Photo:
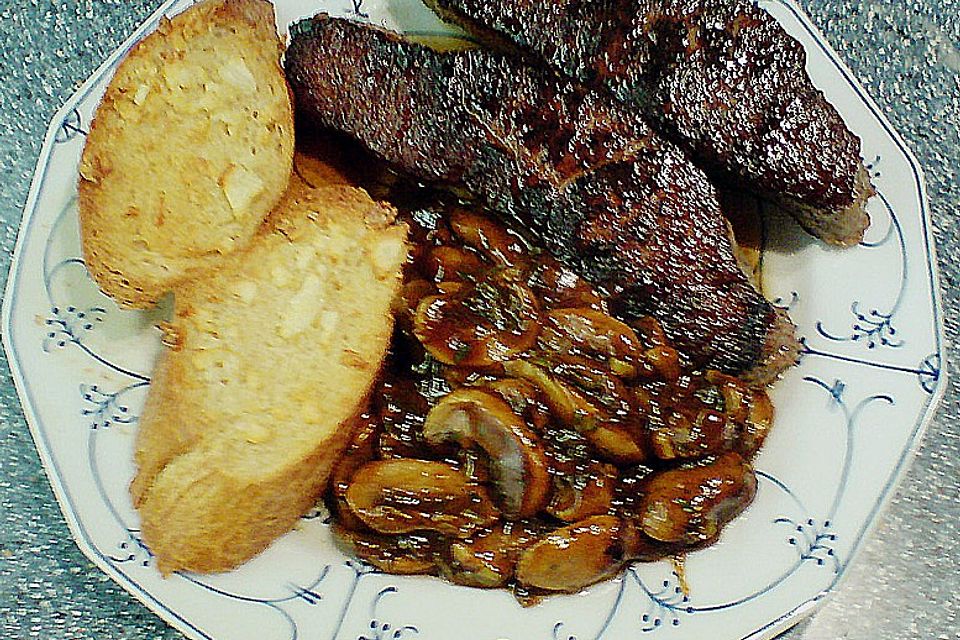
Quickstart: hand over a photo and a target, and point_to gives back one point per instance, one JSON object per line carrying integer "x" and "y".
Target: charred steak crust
{"x": 721, "y": 78}
{"x": 595, "y": 185}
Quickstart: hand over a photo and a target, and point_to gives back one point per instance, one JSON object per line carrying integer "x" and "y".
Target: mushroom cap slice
{"x": 479, "y": 324}
{"x": 404, "y": 554}
{"x": 578, "y": 497}
{"x": 404, "y": 495}
{"x": 488, "y": 559}
{"x": 577, "y": 555}
{"x": 472, "y": 417}
{"x": 689, "y": 505}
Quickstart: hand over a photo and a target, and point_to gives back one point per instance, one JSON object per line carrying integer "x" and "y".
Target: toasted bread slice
{"x": 191, "y": 146}
{"x": 271, "y": 358}
{"x": 310, "y": 171}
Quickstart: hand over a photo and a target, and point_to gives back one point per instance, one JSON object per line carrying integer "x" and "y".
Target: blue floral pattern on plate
{"x": 868, "y": 367}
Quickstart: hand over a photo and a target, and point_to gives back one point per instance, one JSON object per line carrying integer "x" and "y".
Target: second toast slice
{"x": 271, "y": 357}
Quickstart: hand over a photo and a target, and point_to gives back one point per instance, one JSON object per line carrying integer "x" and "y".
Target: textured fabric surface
{"x": 906, "y": 582}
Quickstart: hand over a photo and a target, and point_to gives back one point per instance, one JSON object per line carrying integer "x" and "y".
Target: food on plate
{"x": 520, "y": 436}
{"x": 312, "y": 169}
{"x": 719, "y": 77}
{"x": 615, "y": 202}
{"x": 402, "y": 496}
{"x": 270, "y": 360}
{"x": 189, "y": 149}
{"x": 577, "y": 555}
{"x": 574, "y": 379}
{"x": 689, "y": 504}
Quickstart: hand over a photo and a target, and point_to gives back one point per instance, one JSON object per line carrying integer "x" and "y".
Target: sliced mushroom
{"x": 577, "y": 555}
{"x": 613, "y": 422}
{"x": 523, "y": 398}
{"x": 674, "y": 434}
{"x": 488, "y": 559}
{"x": 411, "y": 553}
{"x": 472, "y": 417}
{"x": 690, "y": 504}
{"x": 559, "y": 287}
{"x": 610, "y": 417}
{"x": 620, "y": 442}
{"x": 583, "y": 495}
{"x": 617, "y": 443}
{"x": 749, "y": 406}
{"x": 486, "y": 236}
{"x": 593, "y": 332}
{"x": 446, "y": 263}
{"x": 563, "y": 403}
{"x": 660, "y": 358}
{"x": 708, "y": 415}
{"x": 598, "y": 384}
{"x": 401, "y": 496}
{"x": 483, "y": 323}
{"x": 361, "y": 450}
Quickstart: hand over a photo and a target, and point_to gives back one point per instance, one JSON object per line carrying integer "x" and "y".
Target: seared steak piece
{"x": 719, "y": 77}
{"x": 602, "y": 192}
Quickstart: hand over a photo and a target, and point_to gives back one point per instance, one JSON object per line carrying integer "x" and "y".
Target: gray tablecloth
{"x": 906, "y": 582}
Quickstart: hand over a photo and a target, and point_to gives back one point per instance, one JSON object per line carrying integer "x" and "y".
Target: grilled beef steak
{"x": 602, "y": 192}
{"x": 719, "y": 77}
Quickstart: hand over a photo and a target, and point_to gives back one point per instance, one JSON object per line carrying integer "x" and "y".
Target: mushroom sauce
{"x": 523, "y": 437}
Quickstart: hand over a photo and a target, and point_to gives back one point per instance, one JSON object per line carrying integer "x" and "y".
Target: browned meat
{"x": 719, "y": 77}
{"x": 601, "y": 191}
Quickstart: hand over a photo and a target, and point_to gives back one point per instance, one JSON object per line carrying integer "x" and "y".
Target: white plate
{"x": 849, "y": 417}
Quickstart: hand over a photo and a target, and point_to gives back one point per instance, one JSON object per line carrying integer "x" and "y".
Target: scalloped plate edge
{"x": 771, "y": 629}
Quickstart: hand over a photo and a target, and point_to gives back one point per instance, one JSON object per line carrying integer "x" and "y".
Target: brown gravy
{"x": 522, "y": 437}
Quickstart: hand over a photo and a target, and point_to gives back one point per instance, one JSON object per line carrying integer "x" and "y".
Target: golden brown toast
{"x": 272, "y": 356}
{"x": 191, "y": 146}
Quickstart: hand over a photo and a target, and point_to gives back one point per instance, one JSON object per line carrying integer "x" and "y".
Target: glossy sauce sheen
{"x": 593, "y": 183}
{"x": 537, "y": 445}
